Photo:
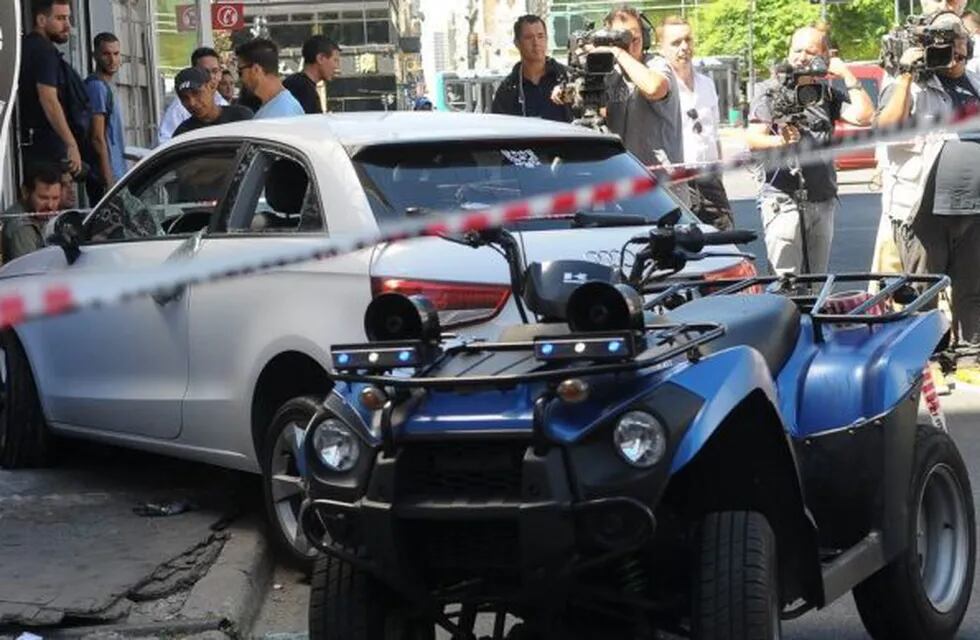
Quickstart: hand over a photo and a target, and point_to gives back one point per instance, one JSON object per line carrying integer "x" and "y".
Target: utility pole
{"x": 205, "y": 35}
{"x": 898, "y": 11}
{"x": 472, "y": 37}
{"x": 750, "y": 90}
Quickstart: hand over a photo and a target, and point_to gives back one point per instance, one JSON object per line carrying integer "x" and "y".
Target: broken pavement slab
{"x": 72, "y": 552}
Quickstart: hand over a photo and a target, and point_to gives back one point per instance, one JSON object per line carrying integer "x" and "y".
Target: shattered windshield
{"x": 418, "y": 179}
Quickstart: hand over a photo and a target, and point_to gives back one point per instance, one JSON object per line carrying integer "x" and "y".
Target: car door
{"x": 239, "y": 325}
{"x": 124, "y": 368}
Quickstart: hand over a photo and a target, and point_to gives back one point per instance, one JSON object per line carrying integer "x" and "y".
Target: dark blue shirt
{"x": 40, "y": 63}
{"x": 537, "y": 99}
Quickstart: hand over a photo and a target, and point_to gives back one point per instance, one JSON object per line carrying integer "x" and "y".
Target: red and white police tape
{"x": 53, "y": 294}
{"x": 23, "y": 299}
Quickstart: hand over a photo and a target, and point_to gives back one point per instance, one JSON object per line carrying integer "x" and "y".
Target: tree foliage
{"x": 722, "y": 27}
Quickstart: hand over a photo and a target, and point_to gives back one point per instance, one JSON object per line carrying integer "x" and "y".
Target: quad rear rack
{"x": 911, "y": 292}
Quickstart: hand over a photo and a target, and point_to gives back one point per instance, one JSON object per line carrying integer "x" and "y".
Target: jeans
{"x": 784, "y": 240}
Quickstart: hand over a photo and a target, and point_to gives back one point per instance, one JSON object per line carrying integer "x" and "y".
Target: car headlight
{"x": 640, "y": 439}
{"x": 336, "y": 445}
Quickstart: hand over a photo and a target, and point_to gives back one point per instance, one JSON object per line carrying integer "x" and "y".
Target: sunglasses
{"x": 693, "y": 115}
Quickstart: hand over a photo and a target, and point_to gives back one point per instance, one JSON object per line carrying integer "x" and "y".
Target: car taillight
{"x": 458, "y": 303}
{"x": 741, "y": 270}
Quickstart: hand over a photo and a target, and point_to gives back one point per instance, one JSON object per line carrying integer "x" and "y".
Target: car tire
{"x": 736, "y": 581}
{"x": 924, "y": 592}
{"x": 349, "y": 604}
{"x": 24, "y": 438}
{"x": 282, "y": 488}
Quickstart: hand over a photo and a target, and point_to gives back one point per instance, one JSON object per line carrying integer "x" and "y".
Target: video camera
{"x": 587, "y": 71}
{"x": 938, "y": 41}
{"x": 790, "y": 98}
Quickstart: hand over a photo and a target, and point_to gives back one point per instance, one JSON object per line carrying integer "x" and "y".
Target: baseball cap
{"x": 190, "y": 79}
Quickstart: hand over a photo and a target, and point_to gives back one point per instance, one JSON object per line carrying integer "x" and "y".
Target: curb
{"x": 223, "y": 603}
{"x": 232, "y": 590}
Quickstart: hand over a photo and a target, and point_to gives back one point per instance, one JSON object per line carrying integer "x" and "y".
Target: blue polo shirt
{"x": 281, "y": 106}
{"x": 103, "y": 102}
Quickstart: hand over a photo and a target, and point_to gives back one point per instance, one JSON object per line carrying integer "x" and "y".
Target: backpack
{"x": 78, "y": 111}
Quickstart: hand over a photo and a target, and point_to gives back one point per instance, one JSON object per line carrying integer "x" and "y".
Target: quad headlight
{"x": 640, "y": 439}
{"x": 336, "y": 445}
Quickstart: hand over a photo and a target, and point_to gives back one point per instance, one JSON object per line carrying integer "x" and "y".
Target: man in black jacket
{"x": 528, "y": 90}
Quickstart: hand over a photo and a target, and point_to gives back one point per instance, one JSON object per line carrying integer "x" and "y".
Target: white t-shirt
{"x": 703, "y": 146}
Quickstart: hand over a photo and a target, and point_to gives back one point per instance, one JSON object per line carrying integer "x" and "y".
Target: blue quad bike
{"x": 641, "y": 457}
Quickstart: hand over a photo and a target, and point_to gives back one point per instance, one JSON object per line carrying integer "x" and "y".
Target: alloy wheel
{"x": 285, "y": 476}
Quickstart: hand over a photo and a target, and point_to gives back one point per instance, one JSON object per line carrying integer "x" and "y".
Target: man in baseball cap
{"x": 195, "y": 89}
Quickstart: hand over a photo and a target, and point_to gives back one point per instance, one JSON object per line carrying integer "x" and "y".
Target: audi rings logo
{"x": 611, "y": 257}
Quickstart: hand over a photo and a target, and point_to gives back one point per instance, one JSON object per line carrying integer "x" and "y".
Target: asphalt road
{"x": 840, "y": 621}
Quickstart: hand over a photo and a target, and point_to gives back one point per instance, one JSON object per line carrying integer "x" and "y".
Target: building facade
{"x": 379, "y": 41}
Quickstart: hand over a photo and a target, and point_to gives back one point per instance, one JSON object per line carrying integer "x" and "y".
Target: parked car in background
{"x": 870, "y": 75}
{"x": 202, "y": 373}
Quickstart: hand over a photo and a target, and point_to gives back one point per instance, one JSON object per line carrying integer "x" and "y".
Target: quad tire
{"x": 24, "y": 438}
{"x": 349, "y": 604}
{"x": 736, "y": 581}
{"x": 282, "y": 489}
{"x": 925, "y": 591}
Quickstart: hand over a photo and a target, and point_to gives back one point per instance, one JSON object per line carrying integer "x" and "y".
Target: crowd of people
{"x": 665, "y": 111}
{"x": 74, "y": 128}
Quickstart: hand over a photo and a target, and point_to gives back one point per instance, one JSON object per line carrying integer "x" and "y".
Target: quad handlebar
{"x": 668, "y": 248}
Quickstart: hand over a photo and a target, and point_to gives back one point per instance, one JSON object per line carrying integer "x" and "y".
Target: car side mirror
{"x": 67, "y": 231}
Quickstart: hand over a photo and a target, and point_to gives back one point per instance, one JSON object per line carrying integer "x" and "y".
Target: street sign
{"x": 228, "y": 16}
{"x": 186, "y": 17}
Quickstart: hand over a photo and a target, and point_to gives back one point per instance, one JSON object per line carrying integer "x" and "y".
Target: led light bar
{"x": 379, "y": 355}
{"x": 590, "y": 346}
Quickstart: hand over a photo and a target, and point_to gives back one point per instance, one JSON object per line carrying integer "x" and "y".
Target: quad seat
{"x": 768, "y": 323}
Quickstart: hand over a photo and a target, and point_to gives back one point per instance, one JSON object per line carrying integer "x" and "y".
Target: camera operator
{"x": 931, "y": 186}
{"x": 529, "y": 88}
{"x": 797, "y": 204}
{"x": 642, "y": 103}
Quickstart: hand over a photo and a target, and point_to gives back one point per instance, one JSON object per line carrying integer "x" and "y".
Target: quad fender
{"x": 724, "y": 380}
{"x": 737, "y": 455}
{"x": 862, "y": 372}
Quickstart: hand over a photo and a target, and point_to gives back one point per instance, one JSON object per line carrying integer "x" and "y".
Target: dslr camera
{"x": 585, "y": 89}
{"x": 919, "y": 31}
{"x": 790, "y": 99}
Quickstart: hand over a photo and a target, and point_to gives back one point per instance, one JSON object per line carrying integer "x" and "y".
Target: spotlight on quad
{"x": 393, "y": 317}
{"x": 603, "y": 307}
{"x": 403, "y": 331}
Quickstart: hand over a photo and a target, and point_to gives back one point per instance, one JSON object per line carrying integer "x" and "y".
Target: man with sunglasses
{"x": 258, "y": 68}
{"x": 699, "y": 105}
{"x": 206, "y": 59}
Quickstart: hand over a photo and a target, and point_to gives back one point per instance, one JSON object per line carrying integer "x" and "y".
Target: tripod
{"x": 801, "y": 197}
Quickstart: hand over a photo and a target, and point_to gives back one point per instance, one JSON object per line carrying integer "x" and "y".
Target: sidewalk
{"x": 76, "y": 559}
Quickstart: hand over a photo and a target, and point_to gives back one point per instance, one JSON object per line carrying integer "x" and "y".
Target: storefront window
{"x": 378, "y": 32}
{"x": 352, "y": 33}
